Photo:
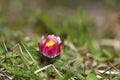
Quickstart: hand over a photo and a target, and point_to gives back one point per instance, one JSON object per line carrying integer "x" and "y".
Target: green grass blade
{"x": 4, "y": 46}
{"x": 30, "y": 55}
{"x": 22, "y": 56}
{"x": 67, "y": 75}
{"x": 48, "y": 23}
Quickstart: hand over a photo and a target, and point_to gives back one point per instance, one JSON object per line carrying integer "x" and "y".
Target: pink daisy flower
{"x": 50, "y": 46}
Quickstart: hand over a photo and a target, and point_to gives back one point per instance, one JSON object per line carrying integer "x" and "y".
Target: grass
{"x": 82, "y": 56}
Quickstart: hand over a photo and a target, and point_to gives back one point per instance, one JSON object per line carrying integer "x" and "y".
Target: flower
{"x": 50, "y": 46}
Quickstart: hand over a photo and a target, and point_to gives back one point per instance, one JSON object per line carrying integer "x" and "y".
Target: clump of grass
{"x": 20, "y": 62}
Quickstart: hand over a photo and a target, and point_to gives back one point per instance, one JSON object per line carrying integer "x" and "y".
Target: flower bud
{"x": 50, "y": 46}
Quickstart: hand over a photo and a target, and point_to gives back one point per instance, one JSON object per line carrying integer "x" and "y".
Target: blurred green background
{"x": 85, "y": 26}
{"x": 44, "y": 16}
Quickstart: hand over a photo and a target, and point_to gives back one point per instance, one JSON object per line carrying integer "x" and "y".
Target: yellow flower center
{"x": 50, "y": 43}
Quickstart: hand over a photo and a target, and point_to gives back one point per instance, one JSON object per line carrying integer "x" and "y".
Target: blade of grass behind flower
{"x": 81, "y": 27}
{"x": 48, "y": 23}
{"x": 68, "y": 29}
